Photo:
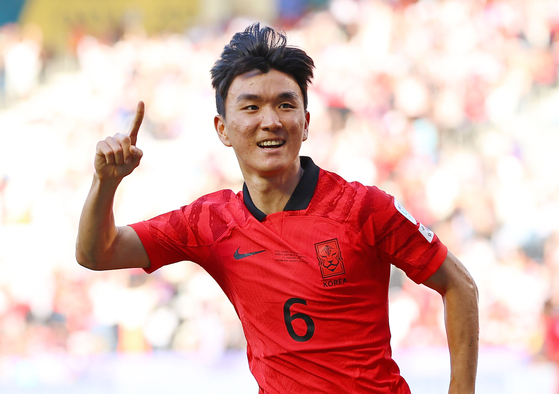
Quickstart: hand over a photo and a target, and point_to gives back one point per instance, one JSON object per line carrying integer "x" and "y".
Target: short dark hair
{"x": 259, "y": 49}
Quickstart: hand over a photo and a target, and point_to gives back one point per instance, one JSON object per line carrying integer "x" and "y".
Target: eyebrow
{"x": 289, "y": 94}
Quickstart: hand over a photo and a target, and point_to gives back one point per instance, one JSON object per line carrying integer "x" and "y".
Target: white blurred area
{"x": 450, "y": 105}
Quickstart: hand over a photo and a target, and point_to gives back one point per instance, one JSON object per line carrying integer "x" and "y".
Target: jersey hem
{"x": 433, "y": 266}
{"x": 149, "y": 245}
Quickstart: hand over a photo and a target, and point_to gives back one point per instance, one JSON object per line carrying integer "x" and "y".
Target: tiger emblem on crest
{"x": 330, "y": 258}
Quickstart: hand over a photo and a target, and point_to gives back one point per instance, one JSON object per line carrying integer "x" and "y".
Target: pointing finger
{"x": 136, "y": 123}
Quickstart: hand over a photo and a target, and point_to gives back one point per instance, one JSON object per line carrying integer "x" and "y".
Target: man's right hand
{"x": 101, "y": 245}
{"x": 117, "y": 156}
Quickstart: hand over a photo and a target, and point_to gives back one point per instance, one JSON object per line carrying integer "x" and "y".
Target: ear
{"x": 220, "y": 127}
{"x": 307, "y": 122}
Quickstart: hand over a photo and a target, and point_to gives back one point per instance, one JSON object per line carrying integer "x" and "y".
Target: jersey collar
{"x": 301, "y": 196}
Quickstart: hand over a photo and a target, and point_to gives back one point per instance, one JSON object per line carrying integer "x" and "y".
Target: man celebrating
{"x": 303, "y": 255}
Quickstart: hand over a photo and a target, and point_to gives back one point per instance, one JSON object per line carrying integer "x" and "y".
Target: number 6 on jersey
{"x": 289, "y": 318}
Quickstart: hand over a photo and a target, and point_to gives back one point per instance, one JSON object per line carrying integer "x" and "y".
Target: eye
{"x": 251, "y": 107}
{"x": 286, "y": 105}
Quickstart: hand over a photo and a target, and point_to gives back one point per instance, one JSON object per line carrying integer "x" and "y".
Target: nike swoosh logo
{"x": 239, "y": 256}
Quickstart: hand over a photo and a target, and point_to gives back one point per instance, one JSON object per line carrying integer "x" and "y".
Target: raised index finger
{"x": 133, "y": 134}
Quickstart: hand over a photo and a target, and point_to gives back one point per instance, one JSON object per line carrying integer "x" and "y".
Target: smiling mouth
{"x": 271, "y": 144}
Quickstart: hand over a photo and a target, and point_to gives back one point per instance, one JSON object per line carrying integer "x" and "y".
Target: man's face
{"x": 265, "y": 122}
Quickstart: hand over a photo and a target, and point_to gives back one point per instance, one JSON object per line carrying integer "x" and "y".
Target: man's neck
{"x": 271, "y": 194}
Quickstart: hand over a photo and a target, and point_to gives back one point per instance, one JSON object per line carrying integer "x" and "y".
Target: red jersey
{"x": 310, "y": 283}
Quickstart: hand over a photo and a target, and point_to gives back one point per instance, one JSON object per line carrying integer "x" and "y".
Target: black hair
{"x": 259, "y": 49}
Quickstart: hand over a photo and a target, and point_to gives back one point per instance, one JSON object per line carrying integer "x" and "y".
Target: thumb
{"x": 136, "y": 152}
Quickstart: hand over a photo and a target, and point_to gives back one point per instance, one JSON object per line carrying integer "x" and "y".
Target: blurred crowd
{"x": 449, "y": 105}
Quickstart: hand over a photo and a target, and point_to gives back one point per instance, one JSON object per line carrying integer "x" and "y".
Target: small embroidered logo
{"x": 238, "y": 256}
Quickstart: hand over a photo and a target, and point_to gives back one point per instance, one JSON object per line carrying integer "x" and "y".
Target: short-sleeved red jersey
{"x": 310, "y": 283}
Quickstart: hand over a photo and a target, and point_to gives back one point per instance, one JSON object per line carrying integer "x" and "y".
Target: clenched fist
{"x": 117, "y": 156}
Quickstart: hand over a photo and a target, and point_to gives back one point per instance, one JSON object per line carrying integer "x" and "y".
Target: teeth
{"x": 271, "y": 143}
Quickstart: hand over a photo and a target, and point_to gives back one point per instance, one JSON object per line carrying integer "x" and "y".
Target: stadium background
{"x": 450, "y": 105}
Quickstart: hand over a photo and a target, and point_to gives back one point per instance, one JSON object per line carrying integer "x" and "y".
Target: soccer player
{"x": 303, "y": 255}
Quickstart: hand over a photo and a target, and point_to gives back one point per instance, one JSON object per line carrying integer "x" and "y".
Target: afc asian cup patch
{"x": 403, "y": 211}
{"x": 330, "y": 258}
{"x": 428, "y": 234}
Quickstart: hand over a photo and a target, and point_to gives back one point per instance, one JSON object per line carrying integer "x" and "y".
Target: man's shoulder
{"x": 210, "y": 215}
{"x": 350, "y": 202}
{"x": 222, "y": 203}
{"x": 335, "y": 184}
{"x": 222, "y": 196}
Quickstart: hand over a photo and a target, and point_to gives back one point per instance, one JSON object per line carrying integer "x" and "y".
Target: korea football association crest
{"x": 330, "y": 258}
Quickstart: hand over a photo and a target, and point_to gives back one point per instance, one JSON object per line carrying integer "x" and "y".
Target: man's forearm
{"x": 97, "y": 230}
{"x": 462, "y": 326}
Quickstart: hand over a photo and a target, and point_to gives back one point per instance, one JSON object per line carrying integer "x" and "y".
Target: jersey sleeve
{"x": 399, "y": 238}
{"x": 167, "y": 239}
{"x": 187, "y": 233}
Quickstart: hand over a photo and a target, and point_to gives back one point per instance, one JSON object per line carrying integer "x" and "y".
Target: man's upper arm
{"x": 129, "y": 252}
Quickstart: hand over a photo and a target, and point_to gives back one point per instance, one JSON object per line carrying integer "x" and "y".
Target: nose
{"x": 270, "y": 119}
